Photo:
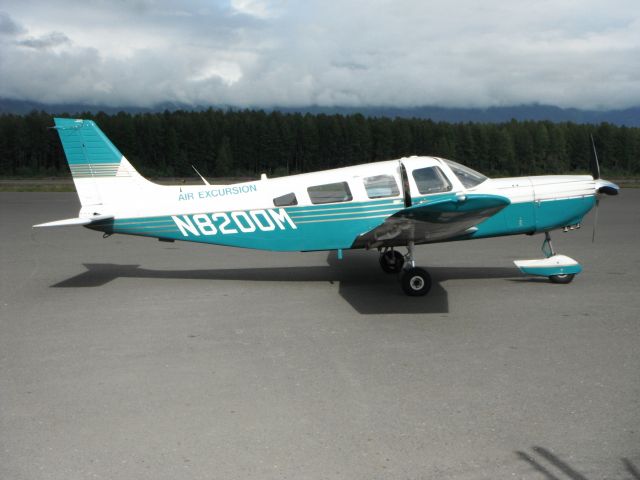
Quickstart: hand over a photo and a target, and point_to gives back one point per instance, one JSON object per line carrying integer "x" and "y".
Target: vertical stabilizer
{"x": 102, "y": 175}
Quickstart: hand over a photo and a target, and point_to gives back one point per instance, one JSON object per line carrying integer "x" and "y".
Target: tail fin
{"x": 101, "y": 174}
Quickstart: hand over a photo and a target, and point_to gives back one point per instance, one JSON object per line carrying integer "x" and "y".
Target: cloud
{"x": 50, "y": 40}
{"x": 255, "y": 8}
{"x": 353, "y": 53}
{"x": 8, "y": 26}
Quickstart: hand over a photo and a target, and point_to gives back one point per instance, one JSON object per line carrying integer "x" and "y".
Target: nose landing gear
{"x": 558, "y": 268}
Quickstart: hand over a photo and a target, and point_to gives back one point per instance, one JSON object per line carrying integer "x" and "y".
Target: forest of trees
{"x": 246, "y": 143}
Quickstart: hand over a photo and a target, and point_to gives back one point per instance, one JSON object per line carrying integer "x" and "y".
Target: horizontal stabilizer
{"x": 69, "y": 222}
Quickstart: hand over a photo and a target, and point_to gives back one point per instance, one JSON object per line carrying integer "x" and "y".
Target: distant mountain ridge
{"x": 629, "y": 117}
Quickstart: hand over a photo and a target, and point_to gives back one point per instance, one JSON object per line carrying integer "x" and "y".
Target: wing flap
{"x": 432, "y": 221}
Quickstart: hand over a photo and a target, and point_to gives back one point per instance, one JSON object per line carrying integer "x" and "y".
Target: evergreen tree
{"x": 251, "y": 141}
{"x": 224, "y": 159}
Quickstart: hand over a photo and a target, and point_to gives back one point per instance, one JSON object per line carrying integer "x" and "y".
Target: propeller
{"x": 595, "y": 173}
{"x": 595, "y": 220}
{"x": 595, "y": 165}
{"x": 601, "y": 186}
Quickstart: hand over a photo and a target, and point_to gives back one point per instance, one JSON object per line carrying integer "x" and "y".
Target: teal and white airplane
{"x": 382, "y": 205}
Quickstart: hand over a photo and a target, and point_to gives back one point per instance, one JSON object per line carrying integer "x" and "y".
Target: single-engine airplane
{"x": 382, "y": 205}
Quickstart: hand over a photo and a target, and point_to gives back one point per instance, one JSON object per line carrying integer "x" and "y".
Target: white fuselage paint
{"x": 129, "y": 195}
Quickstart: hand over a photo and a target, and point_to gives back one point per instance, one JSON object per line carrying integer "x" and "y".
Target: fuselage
{"x": 382, "y": 205}
{"x": 330, "y": 209}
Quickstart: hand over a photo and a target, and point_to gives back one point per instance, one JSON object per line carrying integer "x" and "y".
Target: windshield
{"x": 468, "y": 177}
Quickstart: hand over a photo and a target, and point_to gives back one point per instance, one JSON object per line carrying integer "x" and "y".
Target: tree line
{"x": 249, "y": 142}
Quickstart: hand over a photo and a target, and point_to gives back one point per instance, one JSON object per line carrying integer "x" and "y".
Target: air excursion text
{"x": 217, "y": 192}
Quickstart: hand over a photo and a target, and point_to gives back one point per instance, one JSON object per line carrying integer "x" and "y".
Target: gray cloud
{"x": 8, "y": 26}
{"x": 49, "y": 40}
{"x": 355, "y": 53}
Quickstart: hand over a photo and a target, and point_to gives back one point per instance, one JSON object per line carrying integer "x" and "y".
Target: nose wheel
{"x": 549, "y": 251}
{"x": 558, "y": 268}
{"x": 566, "y": 278}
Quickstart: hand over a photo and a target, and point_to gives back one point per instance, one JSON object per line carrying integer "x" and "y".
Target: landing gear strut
{"x": 415, "y": 281}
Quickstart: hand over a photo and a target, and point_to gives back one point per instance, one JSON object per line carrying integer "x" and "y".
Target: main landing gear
{"x": 415, "y": 281}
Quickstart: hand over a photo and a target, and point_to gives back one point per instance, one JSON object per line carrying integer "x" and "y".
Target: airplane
{"x": 383, "y": 205}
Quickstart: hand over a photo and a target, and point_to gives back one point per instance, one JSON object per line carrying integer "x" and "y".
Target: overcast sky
{"x": 467, "y": 53}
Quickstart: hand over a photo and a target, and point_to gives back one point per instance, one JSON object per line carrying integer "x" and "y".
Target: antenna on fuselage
{"x": 203, "y": 179}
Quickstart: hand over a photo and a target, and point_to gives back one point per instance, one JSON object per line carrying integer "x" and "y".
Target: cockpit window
{"x": 468, "y": 177}
{"x": 431, "y": 180}
{"x": 381, "y": 186}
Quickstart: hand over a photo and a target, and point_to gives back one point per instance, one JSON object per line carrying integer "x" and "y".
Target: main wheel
{"x": 391, "y": 261}
{"x": 566, "y": 278}
{"x": 415, "y": 282}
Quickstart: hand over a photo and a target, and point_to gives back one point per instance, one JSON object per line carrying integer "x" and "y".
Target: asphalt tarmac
{"x": 128, "y": 358}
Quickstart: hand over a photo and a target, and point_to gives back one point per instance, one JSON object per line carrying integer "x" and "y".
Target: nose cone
{"x": 606, "y": 187}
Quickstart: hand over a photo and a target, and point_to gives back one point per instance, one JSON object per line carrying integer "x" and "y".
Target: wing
{"x": 434, "y": 221}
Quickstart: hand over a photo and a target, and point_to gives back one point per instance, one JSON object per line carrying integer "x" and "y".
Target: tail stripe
{"x": 94, "y": 170}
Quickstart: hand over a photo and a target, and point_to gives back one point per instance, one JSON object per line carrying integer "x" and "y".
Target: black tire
{"x": 391, "y": 261}
{"x": 562, "y": 279}
{"x": 416, "y": 282}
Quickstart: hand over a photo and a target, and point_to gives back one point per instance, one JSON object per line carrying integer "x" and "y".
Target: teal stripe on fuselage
{"x": 531, "y": 217}
{"x": 333, "y": 226}
{"x": 327, "y": 235}
{"x": 318, "y": 227}
{"x": 322, "y": 227}
{"x": 559, "y": 213}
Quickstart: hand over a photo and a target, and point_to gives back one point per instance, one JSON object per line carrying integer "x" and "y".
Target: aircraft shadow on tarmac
{"x": 550, "y": 466}
{"x": 361, "y": 283}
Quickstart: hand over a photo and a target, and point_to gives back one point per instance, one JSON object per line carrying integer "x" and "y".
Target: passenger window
{"x": 431, "y": 180}
{"x": 330, "y": 193}
{"x": 285, "y": 200}
{"x": 381, "y": 186}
